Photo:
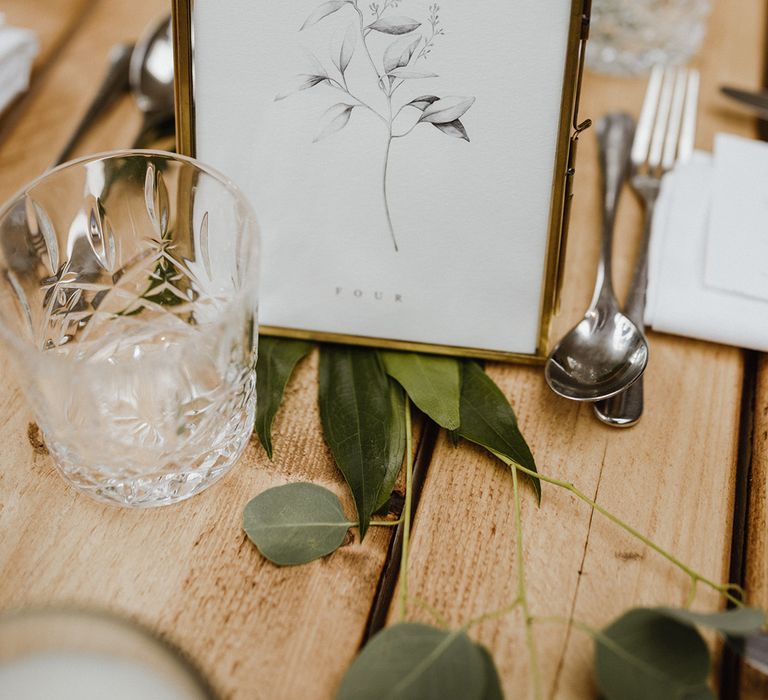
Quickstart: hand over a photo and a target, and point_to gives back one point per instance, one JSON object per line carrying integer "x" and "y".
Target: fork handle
{"x": 625, "y": 409}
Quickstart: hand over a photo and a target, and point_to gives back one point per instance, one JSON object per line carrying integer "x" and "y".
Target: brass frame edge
{"x": 183, "y": 41}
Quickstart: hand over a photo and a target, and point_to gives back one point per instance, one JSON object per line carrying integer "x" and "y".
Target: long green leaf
{"x": 647, "y": 655}
{"x": 295, "y": 523}
{"x": 356, "y": 412}
{"x": 411, "y": 661}
{"x": 278, "y": 358}
{"x": 433, "y": 383}
{"x": 488, "y": 420}
{"x": 396, "y": 443}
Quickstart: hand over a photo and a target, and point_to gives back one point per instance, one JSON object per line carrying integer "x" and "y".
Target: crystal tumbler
{"x": 631, "y": 36}
{"x": 128, "y": 305}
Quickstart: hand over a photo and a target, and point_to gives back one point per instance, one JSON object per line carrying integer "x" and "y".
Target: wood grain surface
{"x": 262, "y": 632}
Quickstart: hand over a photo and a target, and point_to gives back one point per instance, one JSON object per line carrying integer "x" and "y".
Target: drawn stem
{"x": 386, "y": 175}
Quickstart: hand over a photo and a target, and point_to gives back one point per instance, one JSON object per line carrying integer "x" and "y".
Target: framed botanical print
{"x": 409, "y": 160}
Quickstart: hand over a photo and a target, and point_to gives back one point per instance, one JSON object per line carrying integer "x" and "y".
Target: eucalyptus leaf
{"x": 488, "y": 420}
{"x": 302, "y": 82}
{"x": 356, "y": 413}
{"x": 399, "y": 53}
{"x": 395, "y": 25}
{"x": 647, "y": 655}
{"x": 296, "y": 523}
{"x": 432, "y": 382}
{"x": 410, "y": 661}
{"x": 447, "y": 110}
{"x": 278, "y": 358}
{"x": 347, "y": 50}
{"x": 396, "y": 443}
{"x": 410, "y": 74}
{"x": 423, "y": 102}
{"x": 493, "y": 689}
{"x": 739, "y": 622}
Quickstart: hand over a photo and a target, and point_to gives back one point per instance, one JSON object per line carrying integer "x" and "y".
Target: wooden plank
{"x": 671, "y": 476}
{"x": 188, "y": 571}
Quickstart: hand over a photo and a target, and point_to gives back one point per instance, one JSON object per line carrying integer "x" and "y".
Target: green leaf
{"x": 432, "y": 382}
{"x": 396, "y": 443}
{"x": 395, "y": 25}
{"x": 410, "y": 661}
{"x": 355, "y": 410}
{"x": 493, "y": 689}
{"x": 646, "y": 655}
{"x": 488, "y": 420}
{"x": 295, "y": 523}
{"x": 277, "y": 359}
{"x": 738, "y": 622}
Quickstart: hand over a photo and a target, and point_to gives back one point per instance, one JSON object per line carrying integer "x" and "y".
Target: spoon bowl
{"x": 599, "y": 358}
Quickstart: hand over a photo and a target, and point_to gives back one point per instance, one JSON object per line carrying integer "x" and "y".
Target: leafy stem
{"x": 695, "y": 576}
{"x": 403, "y": 600}
{"x": 336, "y": 84}
{"x": 522, "y": 596}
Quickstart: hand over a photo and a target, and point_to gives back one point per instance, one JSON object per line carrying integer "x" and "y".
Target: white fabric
{"x": 18, "y": 48}
{"x": 679, "y": 299}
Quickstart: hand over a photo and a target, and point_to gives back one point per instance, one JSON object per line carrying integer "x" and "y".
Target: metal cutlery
{"x": 665, "y": 136}
{"x": 605, "y": 352}
{"x": 754, "y": 99}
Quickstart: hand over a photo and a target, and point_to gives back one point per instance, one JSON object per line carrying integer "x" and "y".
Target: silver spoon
{"x": 151, "y": 77}
{"x": 114, "y": 84}
{"x": 605, "y": 352}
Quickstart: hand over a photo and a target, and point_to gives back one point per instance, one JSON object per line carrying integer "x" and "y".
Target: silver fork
{"x": 665, "y": 136}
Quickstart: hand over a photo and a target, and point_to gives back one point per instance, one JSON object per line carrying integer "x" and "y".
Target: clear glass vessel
{"x": 629, "y": 37}
{"x": 128, "y": 302}
{"x": 78, "y": 654}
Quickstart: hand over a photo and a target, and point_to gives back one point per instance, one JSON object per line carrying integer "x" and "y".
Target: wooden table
{"x": 693, "y": 475}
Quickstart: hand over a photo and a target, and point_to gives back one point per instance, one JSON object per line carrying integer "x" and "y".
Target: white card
{"x": 737, "y": 247}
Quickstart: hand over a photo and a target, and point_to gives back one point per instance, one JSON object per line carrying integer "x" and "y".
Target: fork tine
{"x": 642, "y": 142}
{"x": 688, "y": 130}
{"x": 662, "y": 118}
{"x": 675, "y": 117}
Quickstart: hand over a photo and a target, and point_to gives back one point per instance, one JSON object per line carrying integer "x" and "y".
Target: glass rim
{"x": 82, "y": 612}
{"x": 223, "y": 179}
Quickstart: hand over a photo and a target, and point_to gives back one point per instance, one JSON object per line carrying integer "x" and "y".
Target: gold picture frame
{"x": 570, "y": 128}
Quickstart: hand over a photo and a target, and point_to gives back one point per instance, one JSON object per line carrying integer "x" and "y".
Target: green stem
{"x": 723, "y": 589}
{"x": 403, "y": 600}
{"x": 495, "y": 614}
{"x": 384, "y": 523}
{"x": 521, "y": 593}
{"x": 442, "y": 621}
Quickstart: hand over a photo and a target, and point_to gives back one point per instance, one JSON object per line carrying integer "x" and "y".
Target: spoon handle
{"x": 114, "y": 83}
{"x": 614, "y": 134}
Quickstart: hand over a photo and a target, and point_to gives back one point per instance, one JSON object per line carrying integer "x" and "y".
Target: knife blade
{"x": 754, "y": 99}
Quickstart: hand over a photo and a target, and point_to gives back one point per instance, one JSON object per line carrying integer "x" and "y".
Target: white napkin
{"x": 679, "y": 299}
{"x": 18, "y": 48}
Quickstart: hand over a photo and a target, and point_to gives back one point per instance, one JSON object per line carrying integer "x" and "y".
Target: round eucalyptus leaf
{"x": 295, "y": 523}
{"x": 493, "y": 689}
{"x": 646, "y": 655}
{"x": 411, "y": 661}
{"x": 738, "y": 622}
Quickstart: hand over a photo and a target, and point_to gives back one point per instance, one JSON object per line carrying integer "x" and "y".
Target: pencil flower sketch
{"x": 398, "y": 63}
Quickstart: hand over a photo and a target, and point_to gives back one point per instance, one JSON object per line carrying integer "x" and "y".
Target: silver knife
{"x": 755, "y": 99}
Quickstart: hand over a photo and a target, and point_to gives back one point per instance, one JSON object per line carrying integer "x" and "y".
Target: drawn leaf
{"x": 412, "y": 660}
{"x": 335, "y": 119}
{"x": 327, "y": 8}
{"x": 454, "y": 128}
{"x": 423, "y": 102}
{"x": 646, "y": 655}
{"x": 348, "y": 45}
{"x": 400, "y": 53}
{"x": 408, "y": 74}
{"x": 278, "y": 358}
{"x": 447, "y": 110}
{"x": 296, "y": 523}
{"x": 302, "y": 82}
{"x": 395, "y": 25}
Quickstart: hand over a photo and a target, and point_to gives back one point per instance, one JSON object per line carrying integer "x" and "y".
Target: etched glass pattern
{"x": 628, "y": 37}
{"x": 128, "y": 287}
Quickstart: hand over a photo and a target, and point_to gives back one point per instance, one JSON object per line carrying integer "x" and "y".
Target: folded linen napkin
{"x": 18, "y": 48}
{"x": 685, "y": 297}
